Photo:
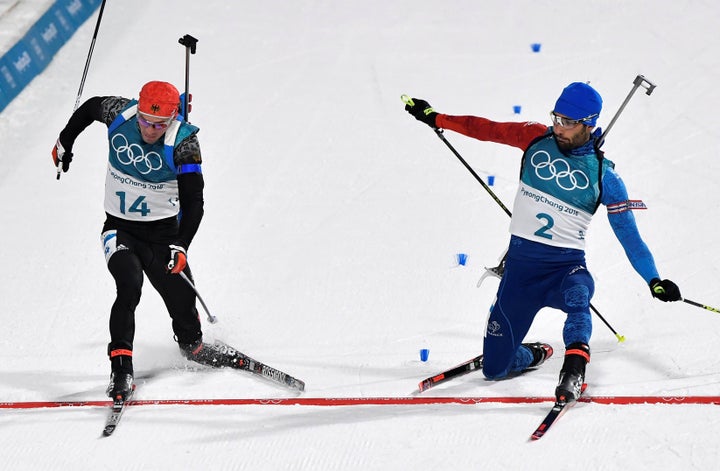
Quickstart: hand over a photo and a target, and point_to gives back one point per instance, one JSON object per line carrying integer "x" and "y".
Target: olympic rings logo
{"x": 559, "y": 169}
{"x": 128, "y": 154}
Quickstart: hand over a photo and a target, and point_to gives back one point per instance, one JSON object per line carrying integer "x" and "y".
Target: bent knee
{"x": 577, "y": 296}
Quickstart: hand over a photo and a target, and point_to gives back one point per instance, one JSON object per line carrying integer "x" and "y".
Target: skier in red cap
{"x": 154, "y": 169}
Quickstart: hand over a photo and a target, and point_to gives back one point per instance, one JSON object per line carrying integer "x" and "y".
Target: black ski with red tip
{"x": 557, "y": 411}
{"x": 240, "y": 361}
{"x": 462, "y": 369}
{"x": 116, "y": 412}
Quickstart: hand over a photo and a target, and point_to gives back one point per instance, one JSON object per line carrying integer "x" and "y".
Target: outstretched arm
{"x": 512, "y": 134}
{"x": 625, "y": 228}
{"x": 622, "y": 221}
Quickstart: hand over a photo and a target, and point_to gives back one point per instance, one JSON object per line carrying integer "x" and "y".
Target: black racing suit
{"x": 143, "y": 247}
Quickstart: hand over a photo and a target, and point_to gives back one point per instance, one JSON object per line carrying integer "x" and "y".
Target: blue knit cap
{"x": 579, "y": 100}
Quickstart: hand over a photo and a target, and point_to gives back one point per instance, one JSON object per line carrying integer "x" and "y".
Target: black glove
{"x": 664, "y": 290}
{"x": 178, "y": 259}
{"x": 422, "y": 111}
{"x": 60, "y": 155}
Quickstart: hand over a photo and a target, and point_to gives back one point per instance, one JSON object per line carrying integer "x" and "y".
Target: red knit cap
{"x": 159, "y": 99}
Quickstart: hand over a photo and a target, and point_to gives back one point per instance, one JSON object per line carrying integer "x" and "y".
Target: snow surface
{"x": 332, "y": 224}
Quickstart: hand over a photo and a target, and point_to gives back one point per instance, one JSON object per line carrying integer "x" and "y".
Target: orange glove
{"x": 178, "y": 259}
{"x": 60, "y": 156}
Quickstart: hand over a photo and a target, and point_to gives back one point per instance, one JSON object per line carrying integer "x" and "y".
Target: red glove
{"x": 60, "y": 156}
{"x": 178, "y": 259}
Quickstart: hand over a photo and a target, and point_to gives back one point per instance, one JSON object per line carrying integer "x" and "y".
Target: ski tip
{"x": 424, "y": 385}
{"x": 108, "y": 430}
{"x": 539, "y": 432}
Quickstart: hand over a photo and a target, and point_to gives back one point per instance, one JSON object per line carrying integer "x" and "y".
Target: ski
{"x": 462, "y": 369}
{"x": 116, "y": 412}
{"x": 261, "y": 369}
{"x": 557, "y": 411}
{"x": 246, "y": 363}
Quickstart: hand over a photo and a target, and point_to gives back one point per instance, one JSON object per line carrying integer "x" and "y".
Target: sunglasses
{"x": 147, "y": 124}
{"x": 564, "y": 122}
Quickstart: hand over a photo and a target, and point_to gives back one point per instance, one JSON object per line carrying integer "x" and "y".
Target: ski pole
{"x": 621, "y": 338}
{"x": 701, "y": 305}
{"x": 500, "y": 268}
{"x": 190, "y": 44}
{"x": 408, "y": 101}
{"x": 212, "y": 319}
{"x": 84, "y": 75}
{"x": 639, "y": 81}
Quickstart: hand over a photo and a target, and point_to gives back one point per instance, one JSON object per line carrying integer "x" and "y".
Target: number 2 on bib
{"x": 549, "y": 223}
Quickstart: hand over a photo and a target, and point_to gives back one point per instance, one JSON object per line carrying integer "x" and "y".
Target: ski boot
{"x": 121, "y": 377}
{"x": 215, "y": 355}
{"x": 120, "y": 387}
{"x": 572, "y": 374}
{"x": 541, "y": 352}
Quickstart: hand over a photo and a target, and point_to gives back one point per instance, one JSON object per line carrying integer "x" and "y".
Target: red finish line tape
{"x": 369, "y": 401}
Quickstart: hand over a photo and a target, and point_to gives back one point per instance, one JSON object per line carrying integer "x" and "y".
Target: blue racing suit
{"x": 557, "y": 196}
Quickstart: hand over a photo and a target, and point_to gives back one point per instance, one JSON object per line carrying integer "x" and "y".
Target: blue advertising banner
{"x": 31, "y": 54}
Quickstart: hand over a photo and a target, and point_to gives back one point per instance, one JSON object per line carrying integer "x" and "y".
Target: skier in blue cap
{"x": 564, "y": 178}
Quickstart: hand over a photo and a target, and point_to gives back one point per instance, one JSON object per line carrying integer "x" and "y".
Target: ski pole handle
{"x": 407, "y": 100}
{"x": 703, "y": 306}
{"x": 212, "y": 319}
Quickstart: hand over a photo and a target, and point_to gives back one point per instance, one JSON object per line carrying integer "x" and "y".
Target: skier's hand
{"x": 178, "y": 259}
{"x": 61, "y": 156}
{"x": 665, "y": 290}
{"x": 422, "y": 111}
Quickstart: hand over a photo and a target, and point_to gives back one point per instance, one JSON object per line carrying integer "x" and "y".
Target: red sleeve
{"x": 512, "y": 134}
